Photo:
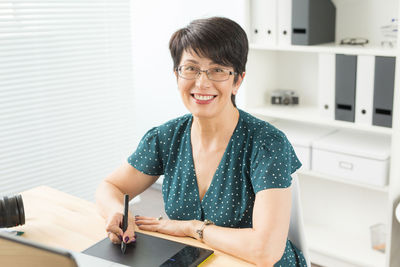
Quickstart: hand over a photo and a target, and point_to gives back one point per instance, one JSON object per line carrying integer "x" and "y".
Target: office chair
{"x": 296, "y": 227}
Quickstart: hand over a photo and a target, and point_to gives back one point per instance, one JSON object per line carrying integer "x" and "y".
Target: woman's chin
{"x": 203, "y": 114}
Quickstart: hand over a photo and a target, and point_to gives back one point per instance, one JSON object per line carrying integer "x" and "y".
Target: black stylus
{"x": 125, "y": 221}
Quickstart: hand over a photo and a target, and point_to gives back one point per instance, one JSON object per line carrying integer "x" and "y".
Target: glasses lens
{"x": 217, "y": 74}
{"x": 188, "y": 71}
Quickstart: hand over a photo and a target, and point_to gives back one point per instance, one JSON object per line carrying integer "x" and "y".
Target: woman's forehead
{"x": 190, "y": 56}
{"x": 193, "y": 57}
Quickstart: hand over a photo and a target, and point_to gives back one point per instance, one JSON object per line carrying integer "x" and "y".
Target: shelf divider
{"x": 383, "y": 189}
{"x": 310, "y": 114}
{"x": 330, "y": 48}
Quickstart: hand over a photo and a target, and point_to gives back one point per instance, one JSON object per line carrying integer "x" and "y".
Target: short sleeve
{"x": 273, "y": 164}
{"x": 147, "y": 157}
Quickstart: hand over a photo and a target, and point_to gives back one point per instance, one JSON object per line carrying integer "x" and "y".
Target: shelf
{"x": 310, "y": 114}
{"x": 344, "y": 246}
{"x": 330, "y": 48}
{"x": 383, "y": 189}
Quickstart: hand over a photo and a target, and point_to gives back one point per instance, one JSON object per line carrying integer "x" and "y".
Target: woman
{"x": 227, "y": 174}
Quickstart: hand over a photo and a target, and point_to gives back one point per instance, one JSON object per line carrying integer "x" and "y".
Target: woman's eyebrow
{"x": 218, "y": 64}
{"x": 192, "y": 61}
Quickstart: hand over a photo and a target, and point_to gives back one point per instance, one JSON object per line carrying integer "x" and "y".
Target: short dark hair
{"x": 220, "y": 39}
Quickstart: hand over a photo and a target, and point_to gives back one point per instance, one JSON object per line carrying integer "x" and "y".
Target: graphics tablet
{"x": 150, "y": 251}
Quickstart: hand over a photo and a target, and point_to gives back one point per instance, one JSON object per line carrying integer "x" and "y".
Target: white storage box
{"x": 301, "y": 136}
{"x": 354, "y": 155}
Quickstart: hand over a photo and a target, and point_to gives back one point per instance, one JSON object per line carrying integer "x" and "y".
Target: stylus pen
{"x": 125, "y": 221}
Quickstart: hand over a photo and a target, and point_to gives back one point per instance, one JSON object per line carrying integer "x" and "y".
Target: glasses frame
{"x": 199, "y": 71}
{"x": 354, "y": 41}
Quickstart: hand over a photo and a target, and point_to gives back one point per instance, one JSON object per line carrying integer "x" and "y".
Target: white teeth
{"x": 203, "y": 97}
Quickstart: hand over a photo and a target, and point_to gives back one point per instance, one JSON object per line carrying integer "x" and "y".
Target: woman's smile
{"x": 203, "y": 98}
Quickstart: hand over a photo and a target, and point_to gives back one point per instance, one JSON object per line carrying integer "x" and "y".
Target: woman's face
{"x": 201, "y": 96}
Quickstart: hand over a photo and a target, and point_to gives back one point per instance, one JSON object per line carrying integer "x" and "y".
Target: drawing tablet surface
{"x": 150, "y": 251}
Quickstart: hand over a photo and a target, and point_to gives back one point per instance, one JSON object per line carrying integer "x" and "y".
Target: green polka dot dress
{"x": 258, "y": 157}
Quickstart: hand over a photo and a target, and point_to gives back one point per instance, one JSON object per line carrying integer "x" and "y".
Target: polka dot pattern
{"x": 258, "y": 157}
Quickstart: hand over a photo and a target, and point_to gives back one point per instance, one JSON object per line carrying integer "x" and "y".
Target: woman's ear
{"x": 238, "y": 83}
{"x": 241, "y": 77}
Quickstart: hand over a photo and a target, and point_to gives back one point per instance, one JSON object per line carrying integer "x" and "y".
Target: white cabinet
{"x": 338, "y": 212}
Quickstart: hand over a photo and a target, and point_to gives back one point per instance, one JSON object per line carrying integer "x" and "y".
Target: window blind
{"x": 65, "y": 93}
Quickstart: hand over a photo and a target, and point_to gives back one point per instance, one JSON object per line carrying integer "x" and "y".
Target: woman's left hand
{"x": 165, "y": 226}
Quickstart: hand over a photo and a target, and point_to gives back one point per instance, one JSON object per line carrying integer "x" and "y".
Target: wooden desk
{"x": 58, "y": 219}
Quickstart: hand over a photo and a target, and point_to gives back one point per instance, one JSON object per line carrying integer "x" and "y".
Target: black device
{"x": 150, "y": 251}
{"x": 284, "y": 97}
{"x": 11, "y": 211}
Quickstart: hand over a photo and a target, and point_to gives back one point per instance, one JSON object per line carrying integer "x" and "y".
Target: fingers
{"x": 152, "y": 228}
{"x": 114, "y": 238}
{"x": 113, "y": 228}
{"x": 147, "y": 220}
{"x": 137, "y": 217}
{"x": 170, "y": 227}
{"x": 129, "y": 235}
{"x": 148, "y": 223}
{"x": 114, "y": 232}
{"x": 116, "y": 235}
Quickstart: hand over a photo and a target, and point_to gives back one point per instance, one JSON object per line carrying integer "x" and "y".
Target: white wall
{"x": 154, "y": 21}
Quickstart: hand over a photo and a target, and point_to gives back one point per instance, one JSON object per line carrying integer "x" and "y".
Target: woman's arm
{"x": 263, "y": 245}
{"x": 109, "y": 198}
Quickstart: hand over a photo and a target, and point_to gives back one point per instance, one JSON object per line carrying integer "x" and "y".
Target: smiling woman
{"x": 227, "y": 174}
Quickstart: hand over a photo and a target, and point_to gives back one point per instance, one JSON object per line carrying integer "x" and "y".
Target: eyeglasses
{"x": 190, "y": 72}
{"x": 354, "y": 41}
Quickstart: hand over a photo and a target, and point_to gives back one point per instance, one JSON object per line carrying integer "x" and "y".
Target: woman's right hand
{"x": 114, "y": 229}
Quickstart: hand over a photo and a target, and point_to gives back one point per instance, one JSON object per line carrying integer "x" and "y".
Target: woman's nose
{"x": 202, "y": 80}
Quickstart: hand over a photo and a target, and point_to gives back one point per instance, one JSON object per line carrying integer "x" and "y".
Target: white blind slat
{"x": 95, "y": 81}
{"x": 62, "y": 82}
{"x": 52, "y": 66}
{"x": 11, "y": 39}
{"x": 56, "y": 75}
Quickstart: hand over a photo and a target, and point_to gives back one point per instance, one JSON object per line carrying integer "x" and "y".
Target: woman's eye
{"x": 190, "y": 68}
{"x": 218, "y": 70}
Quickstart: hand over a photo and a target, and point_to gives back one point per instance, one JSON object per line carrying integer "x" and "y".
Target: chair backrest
{"x": 296, "y": 227}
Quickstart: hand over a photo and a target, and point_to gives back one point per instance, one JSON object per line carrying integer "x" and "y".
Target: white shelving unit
{"x": 329, "y": 48}
{"x": 337, "y": 212}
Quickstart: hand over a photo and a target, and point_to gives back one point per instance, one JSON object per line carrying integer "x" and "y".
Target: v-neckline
{"x": 219, "y": 164}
